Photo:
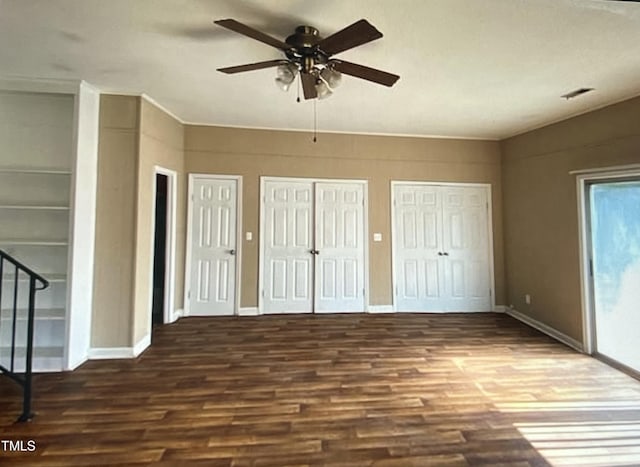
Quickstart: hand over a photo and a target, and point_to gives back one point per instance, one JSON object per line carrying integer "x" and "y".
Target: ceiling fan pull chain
{"x": 299, "y": 85}
{"x": 315, "y": 121}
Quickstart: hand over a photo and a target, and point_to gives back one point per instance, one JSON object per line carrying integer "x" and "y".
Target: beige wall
{"x": 540, "y": 207}
{"x": 378, "y": 159}
{"x": 531, "y": 179}
{"x": 115, "y": 222}
{"x": 135, "y": 136}
{"x": 161, "y": 144}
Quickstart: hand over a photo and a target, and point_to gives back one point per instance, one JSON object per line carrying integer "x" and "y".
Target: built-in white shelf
{"x": 52, "y": 278}
{"x": 41, "y": 364}
{"x": 40, "y": 314}
{"x": 26, "y": 170}
{"x": 23, "y": 242}
{"x": 41, "y": 207}
{"x": 47, "y": 191}
{"x": 38, "y": 352}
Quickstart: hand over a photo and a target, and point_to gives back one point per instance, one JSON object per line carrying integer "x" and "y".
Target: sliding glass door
{"x": 614, "y": 208}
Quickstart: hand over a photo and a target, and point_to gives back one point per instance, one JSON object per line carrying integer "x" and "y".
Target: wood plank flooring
{"x": 340, "y": 390}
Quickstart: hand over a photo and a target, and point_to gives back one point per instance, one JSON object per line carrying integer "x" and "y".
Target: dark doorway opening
{"x": 159, "y": 250}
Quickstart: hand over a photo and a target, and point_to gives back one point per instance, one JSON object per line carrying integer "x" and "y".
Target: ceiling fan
{"x": 310, "y": 56}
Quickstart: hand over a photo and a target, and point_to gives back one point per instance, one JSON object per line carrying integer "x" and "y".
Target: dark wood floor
{"x": 349, "y": 390}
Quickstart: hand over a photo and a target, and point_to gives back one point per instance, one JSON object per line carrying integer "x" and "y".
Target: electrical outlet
{"x": 527, "y": 299}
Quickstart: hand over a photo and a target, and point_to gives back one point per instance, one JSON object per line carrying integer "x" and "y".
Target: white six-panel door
{"x": 441, "y": 248}
{"x": 465, "y": 242}
{"x": 339, "y": 262}
{"x": 213, "y": 247}
{"x": 313, "y": 252}
{"x": 418, "y": 264}
{"x": 287, "y": 236}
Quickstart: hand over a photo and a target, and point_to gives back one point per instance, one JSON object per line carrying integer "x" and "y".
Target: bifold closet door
{"x": 441, "y": 248}
{"x": 313, "y": 247}
{"x": 213, "y": 247}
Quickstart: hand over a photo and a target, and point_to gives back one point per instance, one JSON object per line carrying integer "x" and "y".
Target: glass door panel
{"x": 615, "y": 243}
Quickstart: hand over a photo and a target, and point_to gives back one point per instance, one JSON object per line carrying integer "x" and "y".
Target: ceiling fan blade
{"x": 252, "y": 66}
{"x": 309, "y": 85}
{"x": 240, "y": 28}
{"x": 364, "y": 72}
{"x": 352, "y": 36}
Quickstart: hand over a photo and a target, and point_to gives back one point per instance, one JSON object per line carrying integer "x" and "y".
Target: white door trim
{"x": 583, "y": 180}
{"x": 264, "y": 180}
{"x": 169, "y": 315}
{"x": 487, "y": 187}
{"x": 188, "y": 254}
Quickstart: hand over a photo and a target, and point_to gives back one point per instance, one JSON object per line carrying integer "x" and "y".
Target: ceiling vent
{"x": 576, "y": 93}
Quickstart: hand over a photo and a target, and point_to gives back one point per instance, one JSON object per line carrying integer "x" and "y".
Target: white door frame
{"x": 365, "y": 187}
{"x": 169, "y": 315}
{"x": 487, "y": 187}
{"x": 187, "y": 267}
{"x": 583, "y": 180}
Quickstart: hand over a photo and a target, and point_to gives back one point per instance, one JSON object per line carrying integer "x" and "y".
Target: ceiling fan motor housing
{"x": 304, "y": 50}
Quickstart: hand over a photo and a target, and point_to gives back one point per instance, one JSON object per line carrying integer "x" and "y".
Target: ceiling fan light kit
{"x": 308, "y": 55}
{"x": 286, "y": 74}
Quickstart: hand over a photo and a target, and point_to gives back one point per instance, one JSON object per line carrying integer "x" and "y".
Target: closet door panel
{"x": 418, "y": 269}
{"x": 339, "y": 241}
{"x": 441, "y": 248}
{"x": 466, "y": 244}
{"x": 288, "y": 240}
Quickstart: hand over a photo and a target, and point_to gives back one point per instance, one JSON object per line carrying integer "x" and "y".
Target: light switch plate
{"x": 249, "y": 236}
{"x": 377, "y": 237}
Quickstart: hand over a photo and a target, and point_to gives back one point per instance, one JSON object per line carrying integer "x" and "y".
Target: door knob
{"x": 314, "y": 252}
{"x": 445, "y": 253}
{"x": 232, "y": 252}
{"x": 440, "y": 253}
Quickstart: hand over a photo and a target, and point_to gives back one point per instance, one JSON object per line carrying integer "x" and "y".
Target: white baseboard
{"x": 380, "y": 309}
{"x": 176, "y": 315}
{"x": 548, "y": 330}
{"x": 76, "y": 362}
{"x": 248, "y": 311}
{"x": 105, "y": 353}
{"x": 500, "y": 309}
{"x": 142, "y": 345}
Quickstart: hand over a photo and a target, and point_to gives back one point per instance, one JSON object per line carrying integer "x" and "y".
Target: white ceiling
{"x": 469, "y": 68}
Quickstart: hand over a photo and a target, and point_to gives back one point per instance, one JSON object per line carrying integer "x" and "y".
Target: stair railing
{"x": 14, "y": 271}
